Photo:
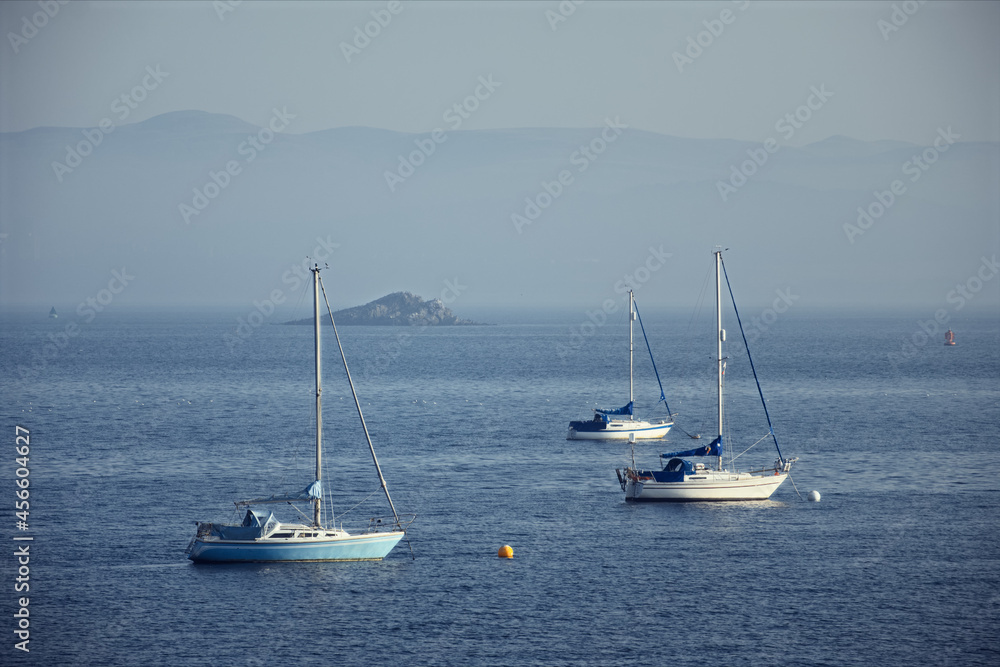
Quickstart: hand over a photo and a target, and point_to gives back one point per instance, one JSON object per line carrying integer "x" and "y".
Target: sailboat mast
{"x": 720, "y": 336}
{"x": 631, "y": 319}
{"x": 317, "y": 502}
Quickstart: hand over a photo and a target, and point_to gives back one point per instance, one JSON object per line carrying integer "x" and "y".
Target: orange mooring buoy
{"x": 505, "y": 552}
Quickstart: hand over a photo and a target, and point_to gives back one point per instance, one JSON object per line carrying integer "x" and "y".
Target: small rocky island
{"x": 397, "y": 309}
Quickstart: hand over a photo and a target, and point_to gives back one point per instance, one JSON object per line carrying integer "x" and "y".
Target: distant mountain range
{"x": 396, "y": 309}
{"x": 206, "y": 208}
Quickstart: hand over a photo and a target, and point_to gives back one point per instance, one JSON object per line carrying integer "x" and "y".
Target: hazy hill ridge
{"x": 206, "y": 208}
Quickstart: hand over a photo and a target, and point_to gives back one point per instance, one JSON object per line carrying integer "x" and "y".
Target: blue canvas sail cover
{"x": 714, "y": 448}
{"x": 311, "y": 492}
{"x": 255, "y": 525}
{"x": 624, "y": 410}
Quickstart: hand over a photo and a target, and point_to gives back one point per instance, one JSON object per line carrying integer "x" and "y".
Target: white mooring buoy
{"x": 813, "y": 496}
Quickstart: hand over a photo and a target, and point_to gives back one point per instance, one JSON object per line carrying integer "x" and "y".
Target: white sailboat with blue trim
{"x": 620, "y": 423}
{"x": 681, "y": 480}
{"x": 260, "y": 537}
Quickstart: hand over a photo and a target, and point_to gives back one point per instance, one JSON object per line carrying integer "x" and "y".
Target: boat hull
{"x": 617, "y": 429}
{"x": 369, "y": 546}
{"x": 739, "y": 487}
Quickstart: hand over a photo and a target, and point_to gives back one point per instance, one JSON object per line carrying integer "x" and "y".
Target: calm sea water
{"x": 145, "y": 422}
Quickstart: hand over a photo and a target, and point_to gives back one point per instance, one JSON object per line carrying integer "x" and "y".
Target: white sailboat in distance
{"x": 620, "y": 423}
{"x": 682, "y": 480}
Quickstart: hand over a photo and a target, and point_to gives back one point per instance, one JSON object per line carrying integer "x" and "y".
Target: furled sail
{"x": 311, "y": 492}
{"x": 624, "y": 410}
{"x": 714, "y": 448}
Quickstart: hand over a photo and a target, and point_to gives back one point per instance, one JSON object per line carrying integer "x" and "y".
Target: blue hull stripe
{"x": 589, "y": 427}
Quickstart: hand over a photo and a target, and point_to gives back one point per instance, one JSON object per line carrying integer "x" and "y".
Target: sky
{"x": 707, "y": 70}
{"x": 874, "y": 71}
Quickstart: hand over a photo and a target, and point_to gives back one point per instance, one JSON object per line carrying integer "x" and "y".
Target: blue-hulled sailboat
{"x": 620, "y": 423}
{"x": 260, "y": 537}
{"x": 682, "y": 480}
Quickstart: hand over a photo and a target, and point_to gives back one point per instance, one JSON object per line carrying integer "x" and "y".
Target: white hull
{"x": 621, "y": 429}
{"x": 705, "y": 487}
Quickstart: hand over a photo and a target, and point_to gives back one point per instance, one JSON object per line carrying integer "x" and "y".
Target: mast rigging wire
{"x": 357, "y": 404}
